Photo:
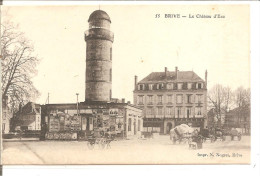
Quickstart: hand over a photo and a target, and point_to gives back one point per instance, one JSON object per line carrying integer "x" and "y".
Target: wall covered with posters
{"x": 64, "y": 121}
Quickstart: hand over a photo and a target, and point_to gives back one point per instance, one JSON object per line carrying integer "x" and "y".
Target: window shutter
{"x": 196, "y": 85}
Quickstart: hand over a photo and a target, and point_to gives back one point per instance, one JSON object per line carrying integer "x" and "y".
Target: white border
{"x": 212, "y": 170}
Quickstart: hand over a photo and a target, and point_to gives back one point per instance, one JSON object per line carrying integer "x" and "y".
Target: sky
{"x": 142, "y": 44}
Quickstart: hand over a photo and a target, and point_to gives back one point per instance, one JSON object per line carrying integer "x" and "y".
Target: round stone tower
{"x": 99, "y": 41}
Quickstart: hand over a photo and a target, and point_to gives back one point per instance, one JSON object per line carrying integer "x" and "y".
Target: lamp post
{"x": 77, "y": 94}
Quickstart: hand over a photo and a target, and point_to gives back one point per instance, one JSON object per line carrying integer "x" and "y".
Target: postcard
{"x": 126, "y": 84}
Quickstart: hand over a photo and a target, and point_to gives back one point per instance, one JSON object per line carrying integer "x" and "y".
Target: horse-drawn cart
{"x": 100, "y": 139}
{"x": 207, "y": 135}
{"x": 181, "y": 134}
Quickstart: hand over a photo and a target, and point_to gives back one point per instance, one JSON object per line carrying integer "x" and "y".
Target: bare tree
{"x": 242, "y": 102}
{"x": 18, "y": 66}
{"x": 220, "y": 99}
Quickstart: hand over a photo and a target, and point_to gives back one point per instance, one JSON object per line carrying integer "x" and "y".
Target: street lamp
{"x": 77, "y": 94}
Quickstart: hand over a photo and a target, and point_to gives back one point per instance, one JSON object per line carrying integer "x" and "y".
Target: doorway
{"x": 168, "y": 127}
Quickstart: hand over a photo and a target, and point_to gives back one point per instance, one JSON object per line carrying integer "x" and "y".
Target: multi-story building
{"x": 239, "y": 118}
{"x": 169, "y": 99}
{"x": 28, "y": 117}
{"x": 6, "y": 116}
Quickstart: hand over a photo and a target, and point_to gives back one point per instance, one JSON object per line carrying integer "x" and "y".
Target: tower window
{"x": 110, "y": 75}
{"x": 110, "y": 53}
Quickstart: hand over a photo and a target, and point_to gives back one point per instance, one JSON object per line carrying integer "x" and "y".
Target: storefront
{"x": 66, "y": 122}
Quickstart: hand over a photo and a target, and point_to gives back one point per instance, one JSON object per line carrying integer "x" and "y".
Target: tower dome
{"x": 99, "y": 14}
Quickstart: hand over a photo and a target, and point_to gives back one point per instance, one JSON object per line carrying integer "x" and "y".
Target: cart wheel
{"x": 91, "y": 145}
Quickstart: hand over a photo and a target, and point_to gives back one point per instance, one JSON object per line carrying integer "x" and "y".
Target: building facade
{"x": 6, "y": 116}
{"x": 121, "y": 119}
{"x": 239, "y": 118}
{"x": 28, "y": 118}
{"x": 169, "y": 99}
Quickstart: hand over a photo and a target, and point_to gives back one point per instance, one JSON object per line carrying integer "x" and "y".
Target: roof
{"x": 30, "y": 108}
{"x": 183, "y": 76}
{"x": 99, "y": 14}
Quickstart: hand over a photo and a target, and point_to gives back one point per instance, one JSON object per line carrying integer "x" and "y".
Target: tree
{"x": 220, "y": 99}
{"x": 18, "y": 66}
{"x": 243, "y": 104}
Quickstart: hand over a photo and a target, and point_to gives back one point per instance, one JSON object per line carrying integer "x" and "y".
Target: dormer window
{"x": 160, "y": 86}
{"x": 199, "y": 85}
{"x": 189, "y": 85}
{"x": 150, "y": 86}
{"x": 141, "y": 87}
{"x": 180, "y": 86}
{"x": 169, "y": 86}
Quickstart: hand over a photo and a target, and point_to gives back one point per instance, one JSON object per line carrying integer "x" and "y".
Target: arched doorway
{"x": 168, "y": 127}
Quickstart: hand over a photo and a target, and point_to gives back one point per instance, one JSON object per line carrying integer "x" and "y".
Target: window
{"x": 140, "y": 99}
{"x": 159, "y": 111}
{"x": 188, "y": 111}
{"x": 150, "y": 86}
{"x": 150, "y": 99}
{"x": 149, "y": 111}
{"x": 180, "y": 86}
{"x": 129, "y": 124}
{"x": 169, "y": 98}
{"x": 169, "y": 110}
{"x": 139, "y": 125}
{"x": 179, "y": 112}
{"x": 160, "y": 86}
{"x": 141, "y": 87}
{"x": 179, "y": 98}
{"x": 159, "y": 97}
{"x": 169, "y": 86}
{"x": 199, "y": 98}
{"x": 199, "y": 85}
{"x": 189, "y": 98}
{"x": 110, "y": 53}
{"x": 189, "y": 85}
{"x": 198, "y": 111}
{"x": 110, "y": 75}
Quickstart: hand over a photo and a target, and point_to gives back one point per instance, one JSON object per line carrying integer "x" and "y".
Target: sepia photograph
{"x": 126, "y": 84}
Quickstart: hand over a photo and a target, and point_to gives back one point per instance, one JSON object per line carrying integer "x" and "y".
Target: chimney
{"x": 206, "y": 78}
{"x": 165, "y": 70}
{"x": 128, "y": 102}
{"x": 176, "y": 72}
{"x": 136, "y": 79}
{"x": 123, "y": 100}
